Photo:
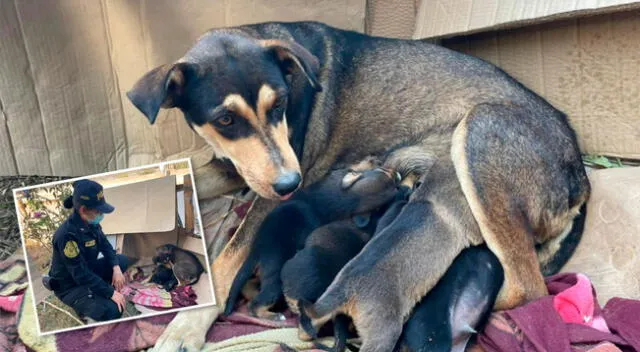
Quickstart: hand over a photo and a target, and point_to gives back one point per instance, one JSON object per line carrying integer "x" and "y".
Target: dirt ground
{"x": 52, "y": 319}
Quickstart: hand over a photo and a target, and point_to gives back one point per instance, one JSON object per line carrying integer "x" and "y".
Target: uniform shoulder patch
{"x": 71, "y": 249}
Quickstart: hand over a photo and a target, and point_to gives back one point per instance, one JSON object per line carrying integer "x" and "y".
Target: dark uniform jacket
{"x": 75, "y": 255}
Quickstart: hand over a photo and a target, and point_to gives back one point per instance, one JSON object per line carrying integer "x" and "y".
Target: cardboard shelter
{"x": 65, "y": 65}
{"x": 581, "y": 55}
{"x": 147, "y": 215}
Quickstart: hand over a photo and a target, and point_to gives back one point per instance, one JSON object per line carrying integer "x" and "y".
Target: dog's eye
{"x": 225, "y": 120}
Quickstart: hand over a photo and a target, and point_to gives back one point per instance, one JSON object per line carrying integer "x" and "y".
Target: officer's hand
{"x": 118, "y": 298}
{"x": 118, "y": 279}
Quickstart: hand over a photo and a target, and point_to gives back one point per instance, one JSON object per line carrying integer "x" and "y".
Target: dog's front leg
{"x": 227, "y": 264}
{"x": 187, "y": 331}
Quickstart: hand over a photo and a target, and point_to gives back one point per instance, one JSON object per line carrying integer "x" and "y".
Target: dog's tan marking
{"x": 252, "y": 156}
{"x": 266, "y": 97}
{"x": 249, "y": 155}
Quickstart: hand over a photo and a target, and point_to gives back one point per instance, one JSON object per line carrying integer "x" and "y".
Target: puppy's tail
{"x": 243, "y": 275}
{"x": 328, "y": 303}
{"x": 552, "y": 263}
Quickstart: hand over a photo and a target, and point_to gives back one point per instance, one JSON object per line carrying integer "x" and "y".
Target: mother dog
{"x": 281, "y": 101}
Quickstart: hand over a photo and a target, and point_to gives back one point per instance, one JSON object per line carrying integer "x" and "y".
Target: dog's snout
{"x": 287, "y": 183}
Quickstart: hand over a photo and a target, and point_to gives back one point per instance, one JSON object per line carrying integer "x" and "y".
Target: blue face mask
{"x": 97, "y": 219}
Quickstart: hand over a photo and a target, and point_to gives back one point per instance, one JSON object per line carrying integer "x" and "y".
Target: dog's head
{"x": 164, "y": 254}
{"x": 233, "y": 91}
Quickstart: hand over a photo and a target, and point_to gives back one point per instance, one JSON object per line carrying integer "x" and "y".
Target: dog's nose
{"x": 287, "y": 183}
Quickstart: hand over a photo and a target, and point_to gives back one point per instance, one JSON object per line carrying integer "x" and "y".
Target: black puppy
{"x": 184, "y": 265}
{"x": 308, "y": 274}
{"x": 343, "y": 193}
{"x": 457, "y": 307}
{"x": 163, "y": 276}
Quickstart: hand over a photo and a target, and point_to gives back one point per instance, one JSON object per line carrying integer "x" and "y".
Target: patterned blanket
{"x": 18, "y": 332}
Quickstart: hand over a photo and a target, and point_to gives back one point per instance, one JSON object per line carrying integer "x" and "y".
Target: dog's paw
{"x": 187, "y": 331}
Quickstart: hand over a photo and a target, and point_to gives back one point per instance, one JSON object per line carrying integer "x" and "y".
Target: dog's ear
{"x": 160, "y": 87}
{"x": 289, "y": 53}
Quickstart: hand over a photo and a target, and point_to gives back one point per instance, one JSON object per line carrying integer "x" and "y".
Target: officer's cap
{"x": 89, "y": 193}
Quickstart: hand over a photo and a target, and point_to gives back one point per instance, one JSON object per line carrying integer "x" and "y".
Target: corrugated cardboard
{"x": 391, "y": 18}
{"x": 64, "y": 66}
{"x": 447, "y": 18}
{"x": 587, "y": 67}
{"x": 609, "y": 252}
{"x": 141, "y": 207}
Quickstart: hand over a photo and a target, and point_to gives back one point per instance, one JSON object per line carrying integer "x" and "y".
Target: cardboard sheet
{"x": 609, "y": 252}
{"x": 446, "y": 18}
{"x": 587, "y": 67}
{"x": 142, "y": 207}
{"x": 65, "y": 65}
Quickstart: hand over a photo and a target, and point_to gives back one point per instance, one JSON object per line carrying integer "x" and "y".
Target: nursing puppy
{"x": 164, "y": 277}
{"x": 343, "y": 193}
{"x": 403, "y": 254}
{"x": 308, "y": 274}
{"x": 457, "y": 307}
{"x": 185, "y": 265}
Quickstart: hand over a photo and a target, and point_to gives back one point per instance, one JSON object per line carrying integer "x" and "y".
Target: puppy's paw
{"x": 187, "y": 331}
{"x": 267, "y": 315}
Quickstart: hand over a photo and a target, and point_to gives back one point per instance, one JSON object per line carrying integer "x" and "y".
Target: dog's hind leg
{"x": 521, "y": 173}
{"x": 379, "y": 327}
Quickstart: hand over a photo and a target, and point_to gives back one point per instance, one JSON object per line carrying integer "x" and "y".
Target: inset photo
{"x": 115, "y": 246}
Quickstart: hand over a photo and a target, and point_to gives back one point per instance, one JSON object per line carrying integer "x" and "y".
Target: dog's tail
{"x": 554, "y": 262}
{"x": 243, "y": 275}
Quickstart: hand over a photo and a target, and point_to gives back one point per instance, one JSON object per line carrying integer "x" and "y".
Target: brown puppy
{"x": 185, "y": 265}
{"x": 347, "y": 95}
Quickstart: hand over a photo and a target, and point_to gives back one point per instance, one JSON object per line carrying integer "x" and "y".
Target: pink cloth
{"x": 576, "y": 305}
{"x": 149, "y": 296}
{"x": 183, "y": 296}
{"x": 558, "y": 324}
{"x": 11, "y": 303}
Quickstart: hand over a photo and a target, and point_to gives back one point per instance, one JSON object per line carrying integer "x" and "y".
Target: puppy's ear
{"x": 361, "y": 220}
{"x": 160, "y": 87}
{"x": 349, "y": 179}
{"x": 291, "y": 53}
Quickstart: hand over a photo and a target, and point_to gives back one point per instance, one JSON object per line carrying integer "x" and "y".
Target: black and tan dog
{"x": 513, "y": 159}
{"x": 344, "y": 193}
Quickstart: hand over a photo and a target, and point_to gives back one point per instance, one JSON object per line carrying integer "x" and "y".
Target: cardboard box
{"x": 580, "y": 55}
{"x": 65, "y": 65}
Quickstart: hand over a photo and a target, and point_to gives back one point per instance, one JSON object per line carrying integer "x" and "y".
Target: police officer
{"x": 77, "y": 276}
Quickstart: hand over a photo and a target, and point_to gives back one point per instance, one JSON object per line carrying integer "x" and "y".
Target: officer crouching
{"x": 78, "y": 278}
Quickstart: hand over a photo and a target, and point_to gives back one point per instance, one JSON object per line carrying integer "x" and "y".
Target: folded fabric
{"x": 147, "y": 295}
{"x": 11, "y": 303}
{"x": 13, "y": 276}
{"x": 573, "y": 322}
{"x": 577, "y": 304}
{"x": 183, "y": 296}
